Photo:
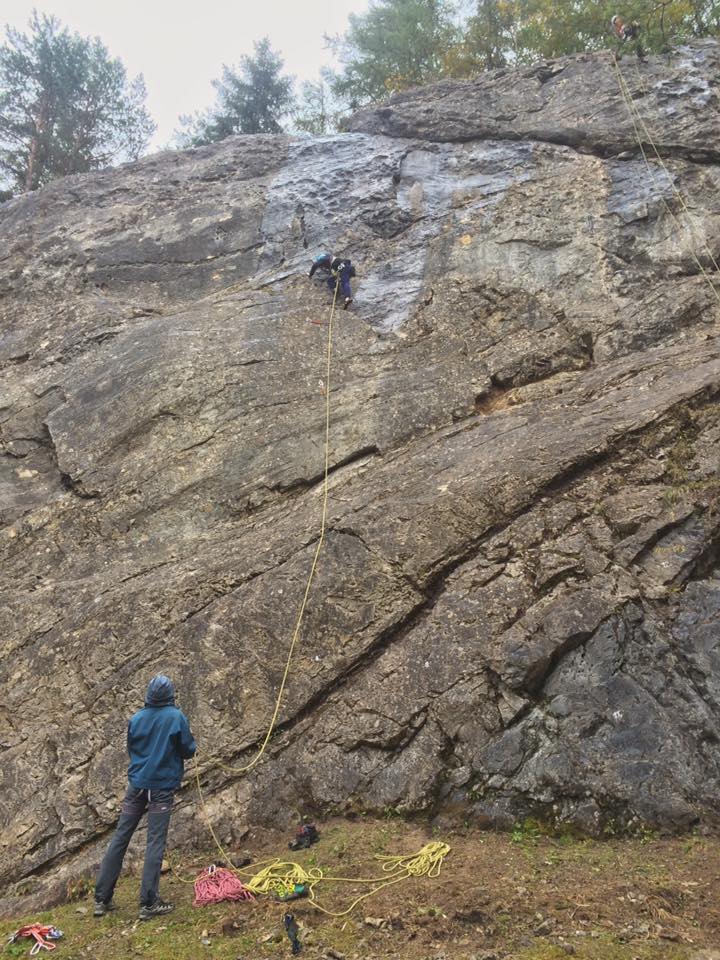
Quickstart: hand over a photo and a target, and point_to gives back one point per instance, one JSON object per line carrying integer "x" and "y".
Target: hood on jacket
{"x": 160, "y": 691}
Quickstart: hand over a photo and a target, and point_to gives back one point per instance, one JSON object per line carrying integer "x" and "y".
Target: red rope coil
{"x": 217, "y": 884}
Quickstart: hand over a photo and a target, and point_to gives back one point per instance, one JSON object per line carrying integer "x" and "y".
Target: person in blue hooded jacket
{"x": 158, "y": 741}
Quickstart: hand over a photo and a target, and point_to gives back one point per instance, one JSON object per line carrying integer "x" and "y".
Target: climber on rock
{"x": 158, "y": 740}
{"x": 340, "y": 270}
{"x": 628, "y": 31}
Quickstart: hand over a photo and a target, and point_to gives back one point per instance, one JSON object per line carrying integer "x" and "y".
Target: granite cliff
{"x": 518, "y": 602}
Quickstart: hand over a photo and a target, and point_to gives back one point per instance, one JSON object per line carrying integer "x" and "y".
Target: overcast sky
{"x": 180, "y": 46}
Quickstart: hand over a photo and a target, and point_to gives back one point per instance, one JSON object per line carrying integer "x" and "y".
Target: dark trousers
{"x": 344, "y": 283}
{"x": 158, "y": 804}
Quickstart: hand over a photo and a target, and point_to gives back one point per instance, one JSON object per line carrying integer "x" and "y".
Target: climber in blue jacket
{"x": 158, "y": 741}
{"x": 340, "y": 272}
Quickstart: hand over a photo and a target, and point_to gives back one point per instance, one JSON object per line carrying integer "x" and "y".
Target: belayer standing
{"x": 158, "y": 741}
{"x": 628, "y": 31}
{"x": 340, "y": 272}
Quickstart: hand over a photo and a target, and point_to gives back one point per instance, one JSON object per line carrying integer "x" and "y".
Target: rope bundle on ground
{"x": 426, "y": 863}
{"x": 281, "y": 877}
{"x": 217, "y": 884}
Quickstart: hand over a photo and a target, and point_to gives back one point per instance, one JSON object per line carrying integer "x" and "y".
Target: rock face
{"x": 517, "y": 605}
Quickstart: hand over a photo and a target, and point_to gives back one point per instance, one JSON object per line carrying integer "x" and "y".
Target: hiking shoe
{"x": 348, "y": 301}
{"x": 158, "y": 909}
{"x": 101, "y": 908}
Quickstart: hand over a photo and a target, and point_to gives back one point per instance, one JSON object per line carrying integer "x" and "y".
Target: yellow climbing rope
{"x": 280, "y": 876}
{"x": 219, "y": 764}
{"x": 676, "y": 191}
{"x": 640, "y": 127}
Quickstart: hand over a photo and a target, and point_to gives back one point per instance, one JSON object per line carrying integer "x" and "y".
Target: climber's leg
{"x": 133, "y": 808}
{"x": 159, "y": 812}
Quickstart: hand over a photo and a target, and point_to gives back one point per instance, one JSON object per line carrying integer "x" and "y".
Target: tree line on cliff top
{"x": 67, "y": 106}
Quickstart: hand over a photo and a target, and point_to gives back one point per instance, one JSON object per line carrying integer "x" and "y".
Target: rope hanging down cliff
{"x": 640, "y": 127}
{"x": 219, "y": 764}
{"x": 279, "y": 876}
{"x": 215, "y": 763}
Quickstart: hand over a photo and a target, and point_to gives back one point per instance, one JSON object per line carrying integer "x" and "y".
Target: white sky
{"x": 180, "y": 46}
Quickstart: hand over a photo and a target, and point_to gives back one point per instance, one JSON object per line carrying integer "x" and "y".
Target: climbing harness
{"x": 640, "y": 127}
{"x": 42, "y": 935}
{"x": 217, "y": 884}
{"x": 297, "y": 893}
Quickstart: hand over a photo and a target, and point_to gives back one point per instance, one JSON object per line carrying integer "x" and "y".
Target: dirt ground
{"x": 521, "y": 895}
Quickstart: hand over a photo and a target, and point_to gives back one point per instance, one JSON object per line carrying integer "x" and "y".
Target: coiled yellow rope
{"x": 282, "y": 876}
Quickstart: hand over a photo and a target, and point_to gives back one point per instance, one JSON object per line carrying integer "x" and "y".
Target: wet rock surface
{"x": 517, "y": 605}
{"x": 570, "y": 101}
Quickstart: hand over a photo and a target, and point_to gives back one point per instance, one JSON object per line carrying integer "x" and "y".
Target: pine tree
{"x": 397, "y": 44}
{"x": 66, "y": 106}
{"x": 317, "y": 110}
{"x": 486, "y": 40}
{"x": 252, "y": 99}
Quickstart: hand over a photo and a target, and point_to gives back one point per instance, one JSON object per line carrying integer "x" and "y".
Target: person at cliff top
{"x": 340, "y": 272}
{"x": 158, "y": 741}
{"x": 627, "y": 31}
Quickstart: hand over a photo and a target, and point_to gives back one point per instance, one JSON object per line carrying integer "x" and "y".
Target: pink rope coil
{"x": 217, "y": 884}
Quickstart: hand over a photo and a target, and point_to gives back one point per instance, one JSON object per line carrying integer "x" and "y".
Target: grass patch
{"x": 520, "y": 895}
